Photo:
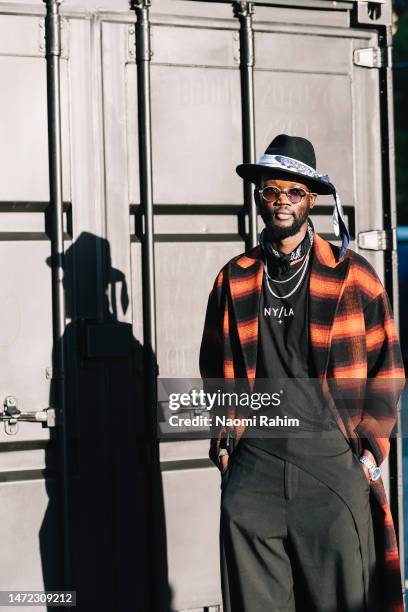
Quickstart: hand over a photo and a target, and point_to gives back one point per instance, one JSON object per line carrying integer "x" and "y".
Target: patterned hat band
{"x": 294, "y": 165}
{"x": 289, "y": 163}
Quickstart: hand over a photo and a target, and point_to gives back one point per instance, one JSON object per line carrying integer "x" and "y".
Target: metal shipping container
{"x": 150, "y": 108}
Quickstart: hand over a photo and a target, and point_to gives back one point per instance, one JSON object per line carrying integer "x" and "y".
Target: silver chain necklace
{"x": 275, "y": 280}
{"x": 282, "y": 297}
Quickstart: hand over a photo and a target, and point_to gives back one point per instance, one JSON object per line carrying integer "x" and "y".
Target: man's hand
{"x": 370, "y": 456}
{"x": 223, "y": 463}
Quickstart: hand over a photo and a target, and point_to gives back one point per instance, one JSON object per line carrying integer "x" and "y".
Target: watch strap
{"x": 374, "y": 470}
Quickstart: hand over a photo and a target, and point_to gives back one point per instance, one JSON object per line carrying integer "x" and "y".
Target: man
{"x": 305, "y": 523}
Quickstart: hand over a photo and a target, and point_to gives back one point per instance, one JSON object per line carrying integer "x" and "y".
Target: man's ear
{"x": 313, "y": 199}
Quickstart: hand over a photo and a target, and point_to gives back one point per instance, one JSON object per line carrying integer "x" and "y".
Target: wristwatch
{"x": 375, "y": 471}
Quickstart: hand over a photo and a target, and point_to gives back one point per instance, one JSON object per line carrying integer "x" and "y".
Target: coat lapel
{"x": 327, "y": 281}
{"x": 245, "y": 286}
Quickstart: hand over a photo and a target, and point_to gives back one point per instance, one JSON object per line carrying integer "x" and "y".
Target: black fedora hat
{"x": 293, "y": 158}
{"x": 289, "y": 158}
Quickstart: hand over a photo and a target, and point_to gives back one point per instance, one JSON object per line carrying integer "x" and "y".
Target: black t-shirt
{"x": 284, "y": 353}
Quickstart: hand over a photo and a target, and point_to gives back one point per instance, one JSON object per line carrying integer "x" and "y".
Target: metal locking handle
{"x": 11, "y": 415}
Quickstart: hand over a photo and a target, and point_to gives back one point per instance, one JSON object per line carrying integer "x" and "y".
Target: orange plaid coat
{"x": 353, "y": 338}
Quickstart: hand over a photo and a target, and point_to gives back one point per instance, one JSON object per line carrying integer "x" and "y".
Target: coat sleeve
{"x": 385, "y": 378}
{"x": 211, "y": 360}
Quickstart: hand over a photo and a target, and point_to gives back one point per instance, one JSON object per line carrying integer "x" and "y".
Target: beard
{"x": 276, "y": 233}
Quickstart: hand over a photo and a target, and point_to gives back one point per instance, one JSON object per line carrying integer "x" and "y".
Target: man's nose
{"x": 279, "y": 199}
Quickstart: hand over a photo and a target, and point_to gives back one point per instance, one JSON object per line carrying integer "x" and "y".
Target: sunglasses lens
{"x": 295, "y": 195}
{"x": 270, "y": 194}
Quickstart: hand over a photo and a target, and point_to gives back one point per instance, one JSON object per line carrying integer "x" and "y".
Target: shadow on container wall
{"x": 118, "y": 532}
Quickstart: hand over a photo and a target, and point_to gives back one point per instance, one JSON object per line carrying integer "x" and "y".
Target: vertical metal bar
{"x": 143, "y": 57}
{"x": 391, "y": 268}
{"x": 53, "y": 53}
{"x": 244, "y": 12}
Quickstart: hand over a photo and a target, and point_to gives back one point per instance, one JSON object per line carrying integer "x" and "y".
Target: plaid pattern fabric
{"x": 354, "y": 345}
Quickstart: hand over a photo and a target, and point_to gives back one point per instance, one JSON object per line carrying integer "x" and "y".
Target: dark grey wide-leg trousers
{"x": 289, "y": 542}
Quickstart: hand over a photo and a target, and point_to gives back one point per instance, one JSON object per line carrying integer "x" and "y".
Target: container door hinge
{"x": 378, "y": 240}
{"x": 64, "y": 37}
{"x": 372, "y": 57}
{"x": 131, "y": 44}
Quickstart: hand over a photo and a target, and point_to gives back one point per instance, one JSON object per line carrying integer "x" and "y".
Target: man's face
{"x": 282, "y": 218}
